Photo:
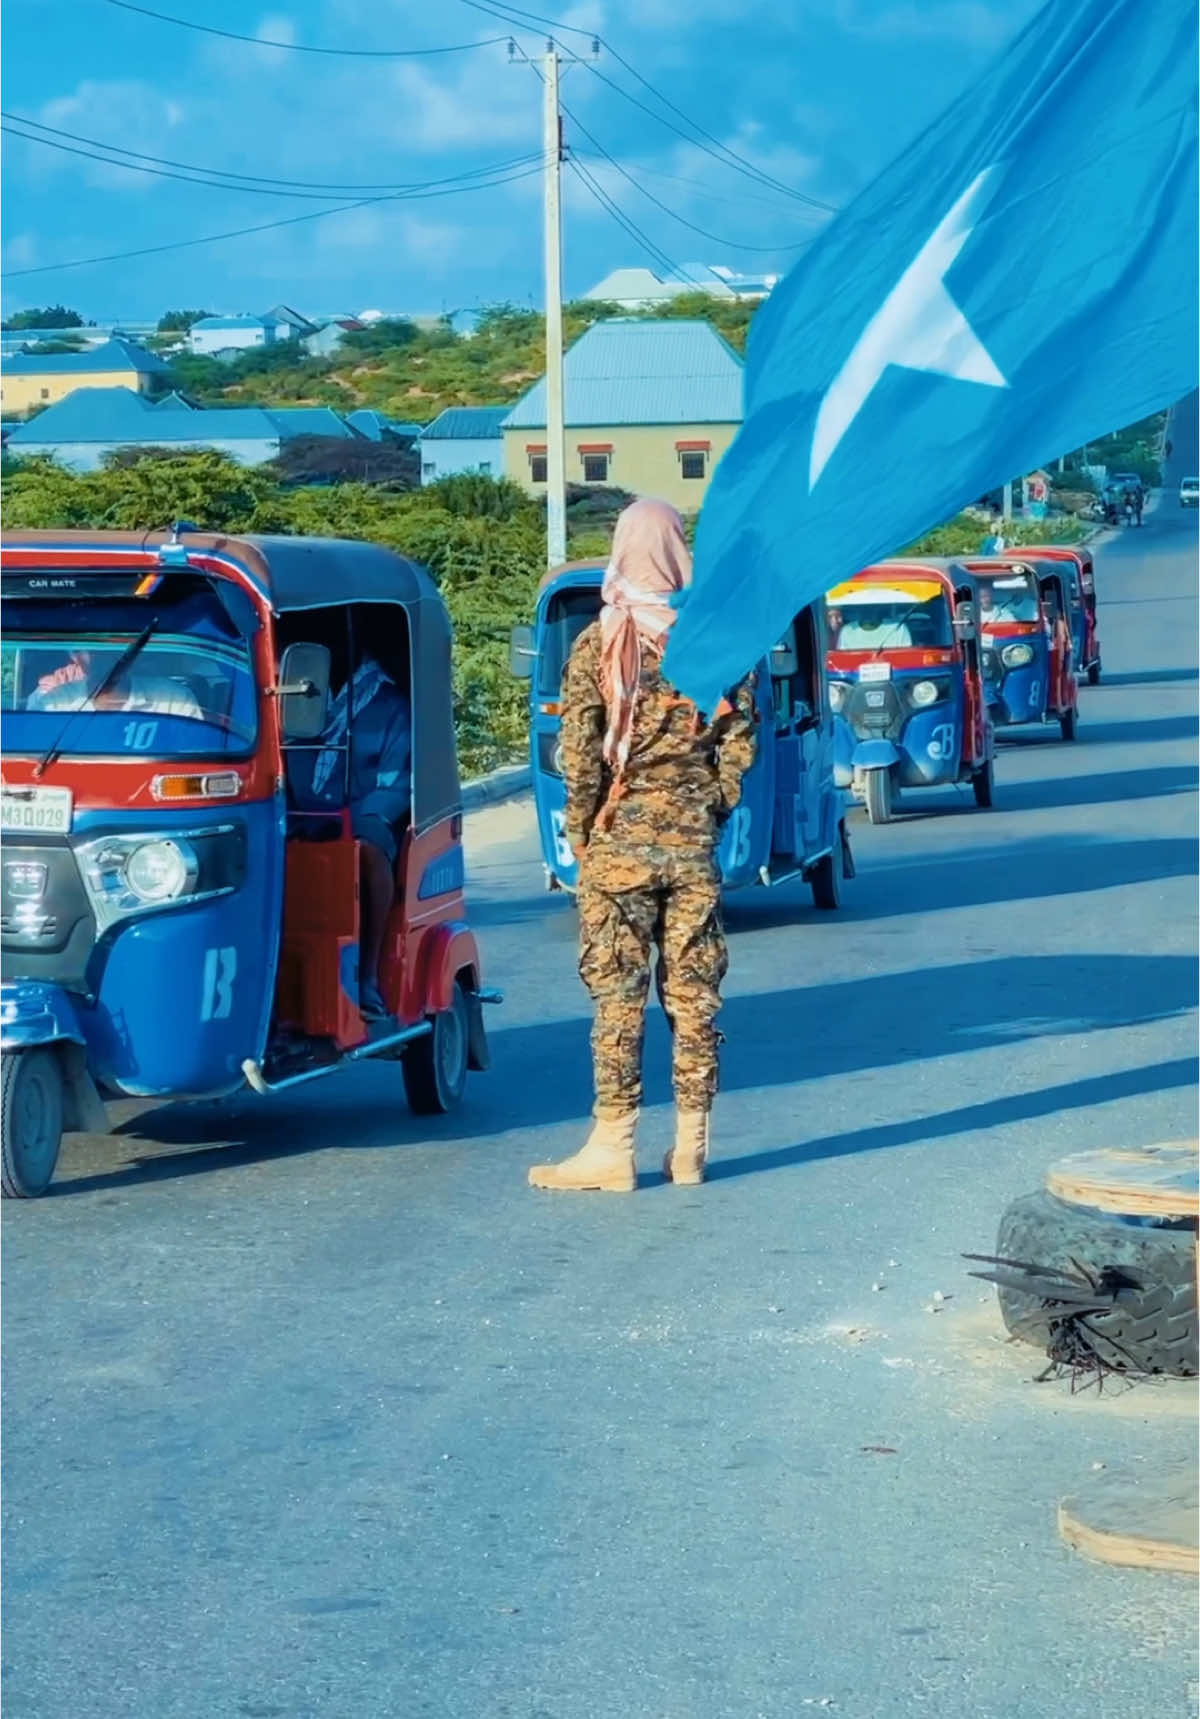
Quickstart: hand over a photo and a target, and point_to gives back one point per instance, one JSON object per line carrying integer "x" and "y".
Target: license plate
{"x": 38, "y": 811}
{"x": 875, "y": 671}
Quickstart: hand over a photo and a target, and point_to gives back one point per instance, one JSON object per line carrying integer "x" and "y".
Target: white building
{"x": 463, "y": 439}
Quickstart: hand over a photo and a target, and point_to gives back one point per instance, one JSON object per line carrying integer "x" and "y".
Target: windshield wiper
{"x": 118, "y": 667}
{"x": 895, "y": 626}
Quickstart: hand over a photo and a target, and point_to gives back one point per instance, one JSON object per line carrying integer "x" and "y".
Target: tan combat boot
{"x": 684, "y": 1163}
{"x": 604, "y": 1165}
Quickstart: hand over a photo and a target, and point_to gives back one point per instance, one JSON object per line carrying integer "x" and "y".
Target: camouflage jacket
{"x": 682, "y": 779}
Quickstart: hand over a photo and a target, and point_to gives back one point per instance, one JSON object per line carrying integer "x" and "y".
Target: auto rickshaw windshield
{"x": 1008, "y": 596}
{"x": 912, "y": 614}
{"x": 567, "y": 614}
{"x": 187, "y": 692}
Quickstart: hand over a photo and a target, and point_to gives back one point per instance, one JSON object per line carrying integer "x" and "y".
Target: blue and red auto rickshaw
{"x": 175, "y": 924}
{"x": 906, "y": 683}
{"x": 791, "y": 818}
{"x": 1079, "y": 567}
{"x": 1025, "y": 630}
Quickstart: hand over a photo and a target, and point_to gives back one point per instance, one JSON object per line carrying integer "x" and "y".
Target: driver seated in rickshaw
{"x": 872, "y": 630}
{"x": 138, "y": 688}
{"x": 378, "y": 795}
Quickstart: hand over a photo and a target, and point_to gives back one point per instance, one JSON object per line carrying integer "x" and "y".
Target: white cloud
{"x": 91, "y": 110}
{"x": 21, "y": 251}
{"x": 275, "y": 27}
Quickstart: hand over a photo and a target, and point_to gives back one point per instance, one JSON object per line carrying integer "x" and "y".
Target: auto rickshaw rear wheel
{"x": 828, "y": 874}
{"x": 31, "y": 1083}
{"x": 1093, "y": 674}
{"x": 1068, "y": 722}
{"x": 435, "y": 1066}
{"x": 877, "y": 791}
{"x": 983, "y": 783}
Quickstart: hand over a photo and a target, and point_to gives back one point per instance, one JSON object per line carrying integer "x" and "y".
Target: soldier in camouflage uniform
{"x": 649, "y": 783}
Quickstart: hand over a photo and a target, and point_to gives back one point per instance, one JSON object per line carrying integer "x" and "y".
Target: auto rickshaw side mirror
{"x": 303, "y": 691}
{"x": 785, "y": 656}
{"x": 964, "y": 621}
{"x": 521, "y": 653}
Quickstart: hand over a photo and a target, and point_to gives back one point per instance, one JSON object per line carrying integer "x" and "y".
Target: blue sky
{"x": 818, "y": 94}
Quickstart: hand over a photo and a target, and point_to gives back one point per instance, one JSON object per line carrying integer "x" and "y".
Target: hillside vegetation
{"x": 410, "y": 373}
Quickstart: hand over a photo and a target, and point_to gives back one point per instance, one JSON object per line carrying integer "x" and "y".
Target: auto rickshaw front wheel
{"x": 1068, "y": 722}
{"x": 32, "y": 1090}
{"x": 984, "y": 784}
{"x": 435, "y": 1066}
{"x": 1093, "y": 674}
{"x": 877, "y": 791}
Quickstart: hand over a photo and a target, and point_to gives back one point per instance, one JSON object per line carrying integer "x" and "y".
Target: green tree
{"x": 179, "y": 321}
{"x": 49, "y": 316}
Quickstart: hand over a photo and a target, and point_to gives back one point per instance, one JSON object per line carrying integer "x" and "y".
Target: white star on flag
{"x": 918, "y": 326}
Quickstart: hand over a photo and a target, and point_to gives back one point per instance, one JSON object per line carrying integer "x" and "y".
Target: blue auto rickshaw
{"x": 1078, "y": 567}
{"x": 791, "y": 818}
{"x": 178, "y": 921}
{"x": 906, "y": 683}
{"x": 1025, "y": 633}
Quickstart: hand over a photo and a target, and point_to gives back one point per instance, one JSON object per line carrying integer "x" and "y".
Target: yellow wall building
{"x": 650, "y": 407}
{"x": 29, "y": 380}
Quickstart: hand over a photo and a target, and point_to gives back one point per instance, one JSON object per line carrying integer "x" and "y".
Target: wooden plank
{"x": 1145, "y": 1518}
{"x": 1138, "y": 1181}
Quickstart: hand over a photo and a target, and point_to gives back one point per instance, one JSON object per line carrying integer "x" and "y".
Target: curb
{"x": 504, "y": 784}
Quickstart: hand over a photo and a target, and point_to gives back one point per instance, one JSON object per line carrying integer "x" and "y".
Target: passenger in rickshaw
{"x": 1002, "y": 604}
{"x": 362, "y": 762}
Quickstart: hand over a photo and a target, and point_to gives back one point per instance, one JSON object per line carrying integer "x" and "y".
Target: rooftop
{"x": 114, "y": 355}
{"x": 466, "y": 424}
{"x": 118, "y": 415}
{"x": 643, "y": 371}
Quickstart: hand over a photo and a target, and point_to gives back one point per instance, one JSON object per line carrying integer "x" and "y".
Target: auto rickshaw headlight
{"x": 1016, "y": 656}
{"x": 127, "y": 875}
{"x": 837, "y": 694}
{"x": 924, "y": 692}
{"x": 161, "y": 870}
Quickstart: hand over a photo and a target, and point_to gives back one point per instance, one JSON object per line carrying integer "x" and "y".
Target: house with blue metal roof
{"x": 215, "y": 336}
{"x": 34, "y": 379}
{"x": 79, "y": 431}
{"x": 463, "y": 439}
{"x": 650, "y": 406}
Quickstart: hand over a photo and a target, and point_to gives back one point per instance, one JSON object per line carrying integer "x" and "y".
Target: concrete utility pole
{"x": 556, "y": 470}
{"x": 1007, "y": 509}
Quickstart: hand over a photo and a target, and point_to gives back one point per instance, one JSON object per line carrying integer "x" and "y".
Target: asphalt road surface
{"x": 313, "y": 1411}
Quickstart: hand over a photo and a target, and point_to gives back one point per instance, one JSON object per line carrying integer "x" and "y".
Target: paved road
{"x": 340, "y": 1420}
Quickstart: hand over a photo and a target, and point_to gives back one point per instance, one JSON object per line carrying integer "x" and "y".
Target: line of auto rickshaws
{"x": 897, "y": 681}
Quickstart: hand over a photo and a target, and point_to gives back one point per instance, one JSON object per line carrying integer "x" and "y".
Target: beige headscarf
{"x": 650, "y": 562}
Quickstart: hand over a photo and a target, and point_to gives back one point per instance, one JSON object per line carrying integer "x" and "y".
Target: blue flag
{"x": 1023, "y": 279}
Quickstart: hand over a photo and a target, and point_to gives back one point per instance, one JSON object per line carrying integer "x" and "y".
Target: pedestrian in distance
{"x": 650, "y": 782}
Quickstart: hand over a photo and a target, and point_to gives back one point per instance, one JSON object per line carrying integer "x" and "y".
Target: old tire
{"x": 435, "y": 1067}
{"x": 1069, "y": 723}
{"x": 31, "y": 1084}
{"x": 1093, "y": 674}
{"x": 983, "y": 783}
{"x": 877, "y": 792}
{"x": 828, "y": 876}
{"x": 1151, "y": 1326}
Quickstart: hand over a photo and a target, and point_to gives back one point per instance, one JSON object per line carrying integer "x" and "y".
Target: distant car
{"x": 1126, "y": 480}
{"x": 1189, "y": 492}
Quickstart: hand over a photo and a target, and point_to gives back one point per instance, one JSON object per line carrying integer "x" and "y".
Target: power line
{"x": 204, "y": 176}
{"x": 303, "y": 48}
{"x": 269, "y": 226}
{"x": 720, "y": 151}
{"x": 730, "y": 244}
{"x": 618, "y": 214}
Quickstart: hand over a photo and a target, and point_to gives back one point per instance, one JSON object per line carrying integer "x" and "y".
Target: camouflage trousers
{"x": 631, "y": 901}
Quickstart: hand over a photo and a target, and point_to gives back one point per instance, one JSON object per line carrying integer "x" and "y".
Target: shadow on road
{"x": 541, "y": 1073}
{"x": 988, "y": 1115}
{"x": 1106, "y": 789}
{"x": 1152, "y": 677}
{"x": 1138, "y": 733}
